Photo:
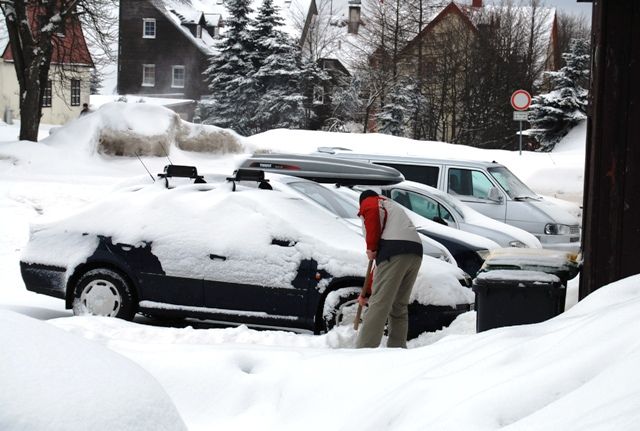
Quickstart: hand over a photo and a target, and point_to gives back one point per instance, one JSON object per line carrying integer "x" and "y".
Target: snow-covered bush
{"x": 143, "y": 129}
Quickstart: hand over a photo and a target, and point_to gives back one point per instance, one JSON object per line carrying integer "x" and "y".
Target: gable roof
{"x": 183, "y": 13}
{"x": 438, "y": 16}
{"x": 69, "y": 49}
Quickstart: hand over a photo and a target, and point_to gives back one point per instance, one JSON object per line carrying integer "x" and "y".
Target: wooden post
{"x": 611, "y": 224}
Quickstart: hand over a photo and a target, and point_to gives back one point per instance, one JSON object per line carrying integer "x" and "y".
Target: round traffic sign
{"x": 520, "y": 100}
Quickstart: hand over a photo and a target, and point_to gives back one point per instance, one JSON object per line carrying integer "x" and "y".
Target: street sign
{"x": 520, "y": 100}
{"x": 520, "y": 115}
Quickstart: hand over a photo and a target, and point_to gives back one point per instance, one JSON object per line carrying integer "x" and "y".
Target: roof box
{"x": 324, "y": 169}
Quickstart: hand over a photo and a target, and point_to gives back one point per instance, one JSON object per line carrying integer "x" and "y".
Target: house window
{"x": 75, "y": 92}
{"x": 318, "y": 95}
{"x": 178, "y": 77}
{"x": 46, "y": 95}
{"x": 199, "y": 31}
{"x": 149, "y": 28}
{"x": 148, "y": 75}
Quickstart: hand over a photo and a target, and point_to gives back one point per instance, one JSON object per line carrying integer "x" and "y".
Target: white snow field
{"x": 578, "y": 371}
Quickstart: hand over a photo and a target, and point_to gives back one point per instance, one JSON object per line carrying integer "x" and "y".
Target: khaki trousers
{"x": 392, "y": 283}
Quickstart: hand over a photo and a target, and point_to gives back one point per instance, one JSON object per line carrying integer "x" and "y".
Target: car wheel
{"x": 104, "y": 292}
{"x": 340, "y": 307}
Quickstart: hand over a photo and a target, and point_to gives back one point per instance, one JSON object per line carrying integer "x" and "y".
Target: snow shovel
{"x": 363, "y": 292}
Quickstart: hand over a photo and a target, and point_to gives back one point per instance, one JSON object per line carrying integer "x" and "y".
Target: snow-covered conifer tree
{"x": 230, "y": 75}
{"x": 553, "y": 114}
{"x": 399, "y": 107}
{"x": 278, "y": 74}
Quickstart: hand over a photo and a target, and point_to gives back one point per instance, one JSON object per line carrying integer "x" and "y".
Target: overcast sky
{"x": 571, "y": 6}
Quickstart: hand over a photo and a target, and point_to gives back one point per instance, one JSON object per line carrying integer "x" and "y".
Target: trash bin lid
{"x": 516, "y": 278}
{"x": 565, "y": 265}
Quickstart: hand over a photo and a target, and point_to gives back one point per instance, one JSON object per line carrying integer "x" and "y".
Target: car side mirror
{"x": 495, "y": 195}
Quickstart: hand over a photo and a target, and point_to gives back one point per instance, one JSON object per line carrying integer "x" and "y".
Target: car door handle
{"x": 217, "y": 256}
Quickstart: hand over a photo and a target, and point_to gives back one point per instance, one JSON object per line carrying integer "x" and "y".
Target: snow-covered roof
{"x": 190, "y": 12}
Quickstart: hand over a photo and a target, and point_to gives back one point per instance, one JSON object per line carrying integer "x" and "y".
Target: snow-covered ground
{"x": 578, "y": 371}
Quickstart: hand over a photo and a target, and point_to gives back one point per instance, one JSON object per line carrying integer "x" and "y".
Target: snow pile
{"x": 578, "y": 371}
{"x": 57, "y": 381}
{"x": 130, "y": 129}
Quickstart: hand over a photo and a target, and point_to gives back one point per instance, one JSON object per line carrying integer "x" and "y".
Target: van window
{"x": 467, "y": 182}
{"x": 419, "y": 173}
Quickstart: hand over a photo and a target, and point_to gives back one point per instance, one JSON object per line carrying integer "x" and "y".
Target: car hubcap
{"x": 100, "y": 298}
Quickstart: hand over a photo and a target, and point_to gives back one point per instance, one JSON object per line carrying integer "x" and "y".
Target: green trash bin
{"x": 516, "y": 297}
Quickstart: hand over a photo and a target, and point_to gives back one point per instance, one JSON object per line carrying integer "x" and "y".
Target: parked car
{"x": 223, "y": 252}
{"x": 489, "y": 188}
{"x": 343, "y": 207}
{"x": 446, "y": 209}
{"x": 467, "y": 249}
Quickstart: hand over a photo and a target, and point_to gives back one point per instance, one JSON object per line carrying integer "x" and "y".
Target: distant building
{"x": 344, "y": 36}
{"x": 69, "y": 76}
{"x": 165, "y": 46}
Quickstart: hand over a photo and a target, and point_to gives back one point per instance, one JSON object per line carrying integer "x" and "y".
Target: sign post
{"x": 520, "y": 101}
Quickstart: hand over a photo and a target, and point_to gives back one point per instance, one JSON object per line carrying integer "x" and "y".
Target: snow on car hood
{"x": 187, "y": 224}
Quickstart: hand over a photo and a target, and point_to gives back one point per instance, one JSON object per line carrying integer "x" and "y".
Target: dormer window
{"x": 199, "y": 31}
{"x": 149, "y": 28}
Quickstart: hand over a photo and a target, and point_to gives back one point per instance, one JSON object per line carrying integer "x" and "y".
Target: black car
{"x": 221, "y": 252}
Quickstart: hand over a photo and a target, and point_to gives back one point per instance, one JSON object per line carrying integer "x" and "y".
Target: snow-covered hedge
{"x": 130, "y": 129}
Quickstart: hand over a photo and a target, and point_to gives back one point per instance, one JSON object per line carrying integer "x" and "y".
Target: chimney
{"x": 476, "y": 3}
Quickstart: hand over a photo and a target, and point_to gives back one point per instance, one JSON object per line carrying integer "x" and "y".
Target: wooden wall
{"x": 611, "y": 225}
{"x": 170, "y": 47}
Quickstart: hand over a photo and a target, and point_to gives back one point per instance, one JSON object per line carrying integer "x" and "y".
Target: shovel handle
{"x": 363, "y": 292}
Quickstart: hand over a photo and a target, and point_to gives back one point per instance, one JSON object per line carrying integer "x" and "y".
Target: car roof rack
{"x": 256, "y": 175}
{"x": 181, "y": 171}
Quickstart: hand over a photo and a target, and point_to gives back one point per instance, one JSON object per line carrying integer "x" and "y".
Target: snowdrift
{"x": 54, "y": 380}
{"x": 139, "y": 129}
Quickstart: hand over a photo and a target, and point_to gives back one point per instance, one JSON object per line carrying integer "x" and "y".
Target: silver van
{"x": 489, "y": 188}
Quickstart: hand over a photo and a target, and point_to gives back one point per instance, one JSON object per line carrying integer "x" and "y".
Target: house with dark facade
{"x": 164, "y": 46}
{"x": 163, "y": 50}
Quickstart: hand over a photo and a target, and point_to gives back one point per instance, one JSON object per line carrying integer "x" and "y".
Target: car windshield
{"x": 335, "y": 203}
{"x": 511, "y": 184}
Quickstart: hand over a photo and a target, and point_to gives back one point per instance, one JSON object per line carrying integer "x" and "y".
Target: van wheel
{"x": 340, "y": 307}
{"x": 104, "y": 292}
